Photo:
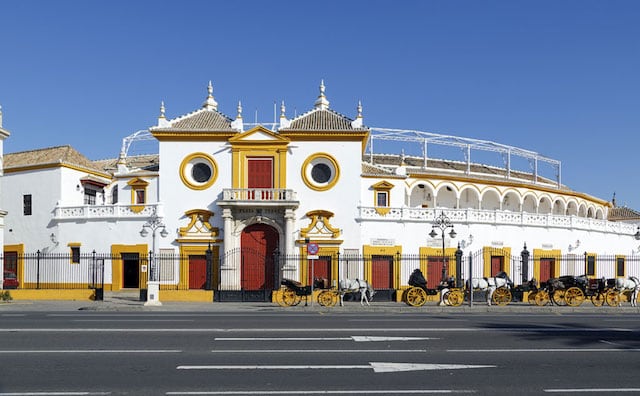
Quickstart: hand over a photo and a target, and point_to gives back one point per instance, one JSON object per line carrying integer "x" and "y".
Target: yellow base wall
{"x": 186, "y": 295}
{"x": 52, "y": 294}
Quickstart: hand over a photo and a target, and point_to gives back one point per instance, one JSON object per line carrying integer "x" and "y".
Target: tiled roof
{"x": 199, "y": 120}
{"x": 60, "y": 155}
{"x": 321, "y": 120}
{"x": 623, "y": 213}
{"x": 373, "y": 170}
{"x": 150, "y": 162}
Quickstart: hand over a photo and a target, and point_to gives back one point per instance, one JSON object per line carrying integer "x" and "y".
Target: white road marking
{"x": 52, "y": 393}
{"x": 502, "y": 350}
{"x": 316, "y": 351}
{"x": 378, "y": 367}
{"x": 595, "y": 390}
{"x": 329, "y": 392}
{"x": 352, "y": 338}
{"x": 91, "y": 351}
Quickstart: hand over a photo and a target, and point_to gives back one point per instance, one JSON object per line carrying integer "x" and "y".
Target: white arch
{"x": 490, "y": 199}
{"x": 511, "y": 201}
{"x": 469, "y": 197}
{"x": 446, "y": 196}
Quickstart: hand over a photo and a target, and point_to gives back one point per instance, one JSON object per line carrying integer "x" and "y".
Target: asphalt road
{"x": 287, "y": 352}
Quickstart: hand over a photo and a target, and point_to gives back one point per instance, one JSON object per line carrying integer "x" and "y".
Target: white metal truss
{"x": 424, "y": 139}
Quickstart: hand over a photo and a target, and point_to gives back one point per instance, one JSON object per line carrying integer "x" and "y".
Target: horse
{"x": 356, "y": 285}
{"x": 489, "y": 285}
{"x": 631, "y": 284}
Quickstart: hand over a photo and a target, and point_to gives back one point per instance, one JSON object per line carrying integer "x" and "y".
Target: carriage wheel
{"x": 574, "y": 296}
{"x": 557, "y": 297}
{"x": 531, "y": 298}
{"x": 612, "y": 297}
{"x": 501, "y": 296}
{"x": 598, "y": 299}
{"x": 455, "y": 297}
{"x": 290, "y": 298}
{"x": 285, "y": 297}
{"x": 327, "y": 298}
{"x": 542, "y": 298}
{"x": 415, "y": 296}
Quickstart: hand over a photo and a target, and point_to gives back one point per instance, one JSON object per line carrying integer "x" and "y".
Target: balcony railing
{"x": 496, "y": 217}
{"x": 258, "y": 194}
{"x": 104, "y": 211}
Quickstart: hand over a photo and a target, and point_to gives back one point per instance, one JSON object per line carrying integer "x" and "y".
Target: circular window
{"x": 201, "y": 172}
{"x": 198, "y": 171}
{"x": 320, "y": 172}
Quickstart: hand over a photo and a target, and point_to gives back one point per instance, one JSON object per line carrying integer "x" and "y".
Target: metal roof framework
{"x": 468, "y": 145}
{"x": 424, "y": 139}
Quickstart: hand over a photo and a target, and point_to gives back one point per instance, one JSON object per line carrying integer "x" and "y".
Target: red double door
{"x": 258, "y": 244}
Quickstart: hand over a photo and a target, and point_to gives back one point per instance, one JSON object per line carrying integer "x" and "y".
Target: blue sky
{"x": 561, "y": 78}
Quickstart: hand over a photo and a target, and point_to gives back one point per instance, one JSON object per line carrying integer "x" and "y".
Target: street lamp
{"x": 153, "y": 282}
{"x": 637, "y": 234}
{"x": 442, "y": 222}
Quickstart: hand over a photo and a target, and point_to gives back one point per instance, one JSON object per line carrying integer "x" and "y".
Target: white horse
{"x": 631, "y": 284}
{"x": 489, "y": 285}
{"x": 356, "y": 285}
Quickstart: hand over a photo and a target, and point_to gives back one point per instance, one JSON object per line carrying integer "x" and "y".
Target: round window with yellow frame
{"x": 320, "y": 171}
{"x": 198, "y": 171}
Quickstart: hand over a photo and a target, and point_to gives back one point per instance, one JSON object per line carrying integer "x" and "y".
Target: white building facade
{"x": 240, "y": 203}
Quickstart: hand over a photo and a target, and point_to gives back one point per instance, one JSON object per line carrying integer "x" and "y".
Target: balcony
{"x": 496, "y": 217}
{"x": 258, "y": 197}
{"x": 116, "y": 211}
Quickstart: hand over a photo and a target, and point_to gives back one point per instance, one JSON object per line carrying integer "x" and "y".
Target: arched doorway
{"x": 258, "y": 243}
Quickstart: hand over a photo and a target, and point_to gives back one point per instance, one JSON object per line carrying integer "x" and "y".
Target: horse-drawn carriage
{"x": 574, "y": 290}
{"x": 497, "y": 290}
{"x": 416, "y": 295}
{"x": 292, "y": 292}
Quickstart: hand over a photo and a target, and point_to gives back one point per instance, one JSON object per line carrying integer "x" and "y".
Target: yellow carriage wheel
{"x": 501, "y": 296}
{"x": 574, "y": 296}
{"x": 415, "y": 296}
{"x": 542, "y": 298}
{"x": 531, "y": 298}
{"x": 558, "y": 297}
{"x": 327, "y": 298}
{"x": 612, "y": 297}
{"x": 455, "y": 297}
{"x": 290, "y": 298}
{"x": 598, "y": 299}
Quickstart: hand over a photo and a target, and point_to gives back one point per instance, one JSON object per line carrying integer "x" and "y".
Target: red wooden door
{"x": 497, "y": 264}
{"x": 197, "y": 272}
{"x": 321, "y": 268}
{"x": 434, "y": 272}
{"x": 258, "y": 242}
{"x": 382, "y": 272}
{"x": 547, "y": 269}
{"x": 260, "y": 175}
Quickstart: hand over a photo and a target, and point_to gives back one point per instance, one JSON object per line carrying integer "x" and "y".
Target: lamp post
{"x": 637, "y": 234}
{"x": 153, "y": 282}
{"x": 443, "y": 223}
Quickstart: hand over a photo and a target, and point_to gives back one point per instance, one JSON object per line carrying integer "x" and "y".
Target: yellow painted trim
{"x": 116, "y": 263}
{"x": 74, "y": 244}
{"x": 316, "y": 216}
{"x": 138, "y": 184}
{"x": 312, "y": 184}
{"x": 199, "y": 214}
{"x": 57, "y": 165}
{"x": 19, "y": 250}
{"x": 174, "y": 136}
{"x": 305, "y": 264}
{"x": 329, "y": 136}
{"x": 192, "y": 184}
{"x": 488, "y": 252}
{"x": 243, "y": 148}
{"x": 393, "y": 251}
{"x": 85, "y": 294}
{"x": 542, "y": 253}
{"x": 186, "y": 295}
{"x": 196, "y": 250}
